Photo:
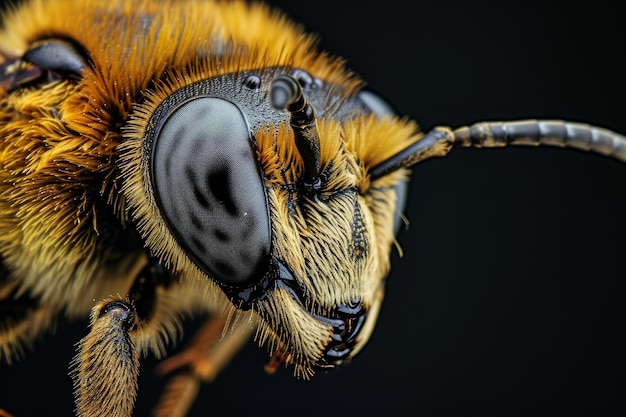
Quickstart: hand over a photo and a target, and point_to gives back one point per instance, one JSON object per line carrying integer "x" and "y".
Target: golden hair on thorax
{"x": 166, "y": 160}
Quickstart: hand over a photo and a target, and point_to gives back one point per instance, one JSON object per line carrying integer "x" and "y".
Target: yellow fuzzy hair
{"x": 71, "y": 185}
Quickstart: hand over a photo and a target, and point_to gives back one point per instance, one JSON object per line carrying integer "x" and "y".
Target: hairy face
{"x": 144, "y": 127}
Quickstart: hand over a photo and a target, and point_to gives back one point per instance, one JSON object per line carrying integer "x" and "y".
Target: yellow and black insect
{"x": 168, "y": 159}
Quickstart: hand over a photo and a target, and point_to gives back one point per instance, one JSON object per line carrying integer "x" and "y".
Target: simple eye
{"x": 45, "y": 62}
{"x": 209, "y": 188}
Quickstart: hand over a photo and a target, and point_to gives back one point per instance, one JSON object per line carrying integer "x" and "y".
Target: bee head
{"x": 249, "y": 189}
{"x": 242, "y": 159}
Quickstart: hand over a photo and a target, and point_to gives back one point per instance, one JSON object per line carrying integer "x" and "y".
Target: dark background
{"x": 509, "y": 300}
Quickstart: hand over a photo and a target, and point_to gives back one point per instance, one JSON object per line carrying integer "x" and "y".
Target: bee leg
{"x": 211, "y": 349}
{"x": 5, "y": 413}
{"x": 208, "y": 353}
{"x": 106, "y": 368}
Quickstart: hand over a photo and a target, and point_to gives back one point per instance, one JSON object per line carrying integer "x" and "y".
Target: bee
{"x": 128, "y": 121}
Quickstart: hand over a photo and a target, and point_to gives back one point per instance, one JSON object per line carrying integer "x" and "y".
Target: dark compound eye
{"x": 379, "y": 106}
{"x": 208, "y": 185}
{"x": 45, "y": 62}
{"x": 375, "y": 103}
{"x": 58, "y": 56}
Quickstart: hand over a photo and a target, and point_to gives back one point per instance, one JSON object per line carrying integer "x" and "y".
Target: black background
{"x": 509, "y": 299}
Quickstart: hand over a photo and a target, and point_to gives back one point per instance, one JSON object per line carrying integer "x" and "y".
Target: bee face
{"x": 197, "y": 165}
{"x": 455, "y": 335}
{"x": 222, "y": 183}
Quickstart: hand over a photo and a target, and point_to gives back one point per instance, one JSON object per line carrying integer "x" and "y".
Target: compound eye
{"x": 376, "y": 104}
{"x": 380, "y": 107}
{"x": 45, "y": 62}
{"x": 208, "y": 185}
{"x": 57, "y": 56}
